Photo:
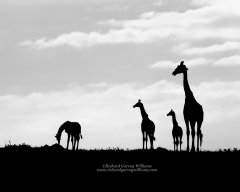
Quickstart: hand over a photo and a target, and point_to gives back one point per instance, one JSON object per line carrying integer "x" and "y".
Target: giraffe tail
{"x": 81, "y": 136}
{"x": 154, "y": 138}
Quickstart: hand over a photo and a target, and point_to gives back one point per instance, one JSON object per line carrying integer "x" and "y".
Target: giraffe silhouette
{"x": 147, "y": 126}
{"x": 192, "y": 111}
{"x": 176, "y": 131}
{"x": 73, "y": 130}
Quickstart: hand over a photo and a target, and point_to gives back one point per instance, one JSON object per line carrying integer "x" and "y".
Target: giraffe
{"x": 73, "y": 130}
{"x": 147, "y": 126}
{"x": 176, "y": 131}
{"x": 192, "y": 111}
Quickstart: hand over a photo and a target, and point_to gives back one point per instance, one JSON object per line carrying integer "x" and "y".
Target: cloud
{"x": 227, "y": 46}
{"x": 228, "y": 61}
{"x": 107, "y": 116}
{"x": 158, "y": 3}
{"x": 96, "y": 85}
{"x": 219, "y": 3}
{"x": 147, "y": 15}
{"x": 190, "y": 25}
{"x": 80, "y": 40}
{"x": 171, "y": 64}
{"x": 198, "y": 61}
{"x": 164, "y": 64}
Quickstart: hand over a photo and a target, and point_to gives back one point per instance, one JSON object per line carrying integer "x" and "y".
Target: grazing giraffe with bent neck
{"x": 73, "y": 130}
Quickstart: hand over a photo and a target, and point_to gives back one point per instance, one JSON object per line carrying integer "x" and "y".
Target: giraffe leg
{"x": 174, "y": 143}
{"x": 151, "y": 140}
{"x": 180, "y": 143}
{"x": 199, "y": 135}
{"x": 177, "y": 143}
{"x": 193, "y": 135}
{"x": 77, "y": 143}
{"x": 74, "y": 141}
{"x": 197, "y": 141}
{"x": 143, "y": 138}
{"x": 188, "y": 133}
{"x": 146, "y": 140}
{"x": 68, "y": 140}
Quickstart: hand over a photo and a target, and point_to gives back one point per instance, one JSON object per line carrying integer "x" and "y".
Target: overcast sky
{"x": 90, "y": 61}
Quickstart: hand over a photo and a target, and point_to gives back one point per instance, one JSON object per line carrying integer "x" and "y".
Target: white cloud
{"x": 147, "y": 15}
{"x": 172, "y": 64}
{"x": 158, "y": 3}
{"x": 203, "y": 2}
{"x": 228, "y": 61}
{"x": 227, "y": 46}
{"x": 198, "y": 61}
{"x": 191, "y": 25}
{"x": 95, "y": 85}
{"x": 220, "y": 3}
{"x": 80, "y": 40}
{"x": 164, "y": 64}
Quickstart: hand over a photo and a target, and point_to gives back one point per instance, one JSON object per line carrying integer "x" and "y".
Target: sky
{"x": 90, "y": 61}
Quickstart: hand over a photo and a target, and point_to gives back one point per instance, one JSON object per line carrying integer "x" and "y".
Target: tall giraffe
{"x": 73, "y": 130}
{"x": 176, "y": 131}
{"x": 147, "y": 126}
{"x": 192, "y": 111}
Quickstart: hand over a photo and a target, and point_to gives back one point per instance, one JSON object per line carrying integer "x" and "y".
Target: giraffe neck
{"x": 61, "y": 129}
{"x": 174, "y": 120}
{"x": 187, "y": 90}
{"x": 143, "y": 112}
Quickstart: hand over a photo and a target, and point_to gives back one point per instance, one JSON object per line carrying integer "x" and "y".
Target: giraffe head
{"x": 171, "y": 113}
{"x": 58, "y": 137}
{"x": 138, "y": 104}
{"x": 180, "y": 69}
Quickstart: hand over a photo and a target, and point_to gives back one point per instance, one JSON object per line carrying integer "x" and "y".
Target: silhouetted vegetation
{"x": 57, "y": 147}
